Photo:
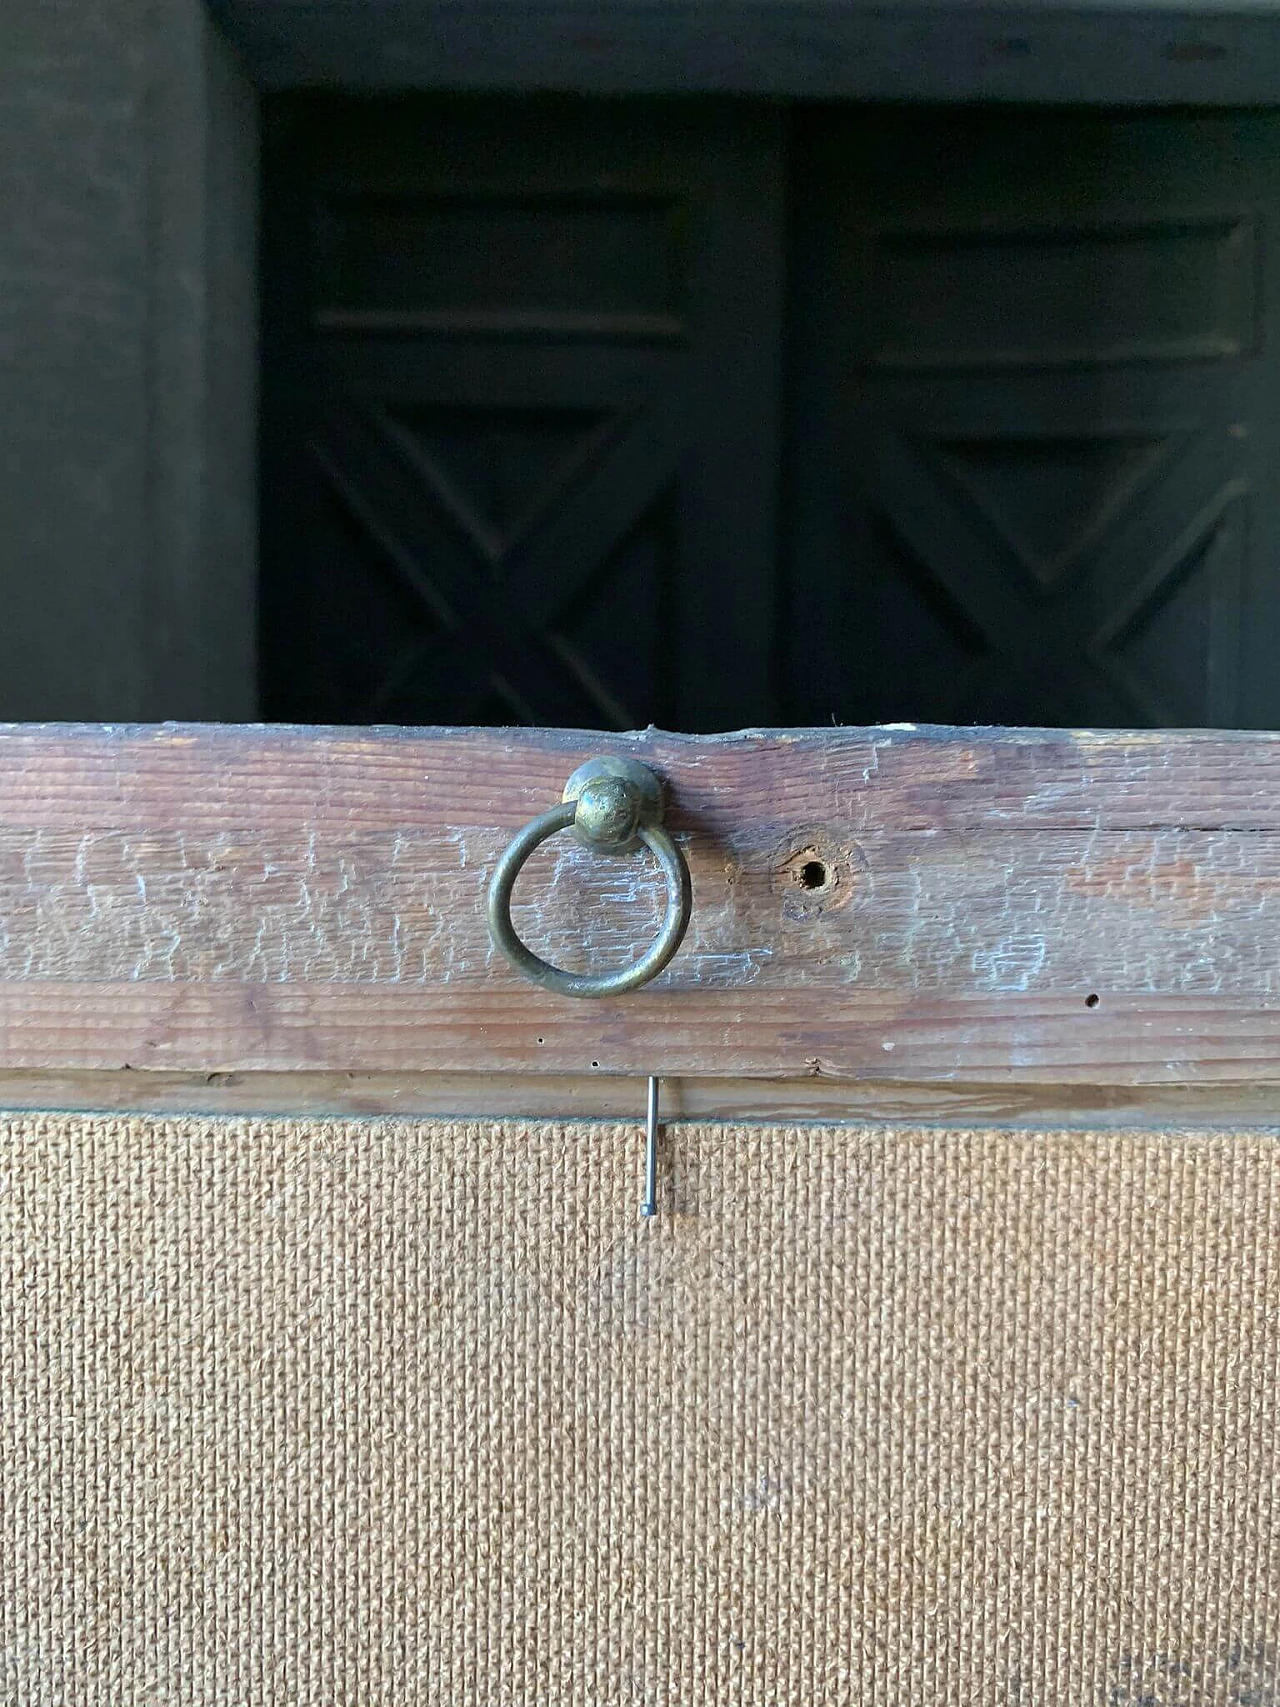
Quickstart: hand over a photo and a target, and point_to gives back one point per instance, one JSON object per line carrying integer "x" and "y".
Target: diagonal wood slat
{"x": 1031, "y": 626}
{"x": 489, "y": 632}
{"x": 499, "y": 598}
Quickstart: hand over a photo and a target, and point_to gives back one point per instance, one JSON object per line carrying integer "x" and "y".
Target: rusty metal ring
{"x": 615, "y": 806}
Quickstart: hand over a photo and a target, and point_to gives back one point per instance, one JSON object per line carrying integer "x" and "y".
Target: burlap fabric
{"x": 341, "y": 1412}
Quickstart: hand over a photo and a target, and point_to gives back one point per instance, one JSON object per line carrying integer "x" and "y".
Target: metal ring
{"x": 664, "y": 945}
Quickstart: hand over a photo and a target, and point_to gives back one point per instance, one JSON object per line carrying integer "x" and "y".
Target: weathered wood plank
{"x": 606, "y": 1096}
{"x": 275, "y": 778}
{"x": 918, "y": 913}
{"x": 760, "y": 1032}
{"x": 1005, "y": 907}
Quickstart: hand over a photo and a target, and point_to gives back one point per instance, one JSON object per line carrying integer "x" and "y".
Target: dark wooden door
{"x": 709, "y": 414}
{"x": 1033, "y": 407}
{"x": 521, "y": 439}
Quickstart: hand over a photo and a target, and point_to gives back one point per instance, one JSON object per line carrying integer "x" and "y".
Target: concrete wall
{"x": 128, "y": 182}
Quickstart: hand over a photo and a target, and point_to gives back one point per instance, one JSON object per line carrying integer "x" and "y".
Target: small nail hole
{"x": 813, "y": 874}
{"x": 595, "y": 1063}
{"x": 1091, "y": 1001}
{"x": 542, "y": 1040}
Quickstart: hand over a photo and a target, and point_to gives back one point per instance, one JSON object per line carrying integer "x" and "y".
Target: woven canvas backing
{"x": 327, "y": 1412}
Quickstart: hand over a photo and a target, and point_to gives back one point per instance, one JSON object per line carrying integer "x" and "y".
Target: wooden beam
{"x": 611, "y": 1097}
{"x": 1104, "y": 52}
{"x": 896, "y": 906}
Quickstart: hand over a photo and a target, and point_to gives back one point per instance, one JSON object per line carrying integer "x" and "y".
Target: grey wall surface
{"x": 127, "y": 364}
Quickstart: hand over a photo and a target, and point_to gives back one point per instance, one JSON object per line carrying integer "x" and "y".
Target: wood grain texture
{"x": 1001, "y": 908}
{"x": 618, "y": 1097}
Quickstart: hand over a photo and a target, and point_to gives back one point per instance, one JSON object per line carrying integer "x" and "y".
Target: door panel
{"x": 522, "y": 443}
{"x": 1033, "y": 418}
{"x": 525, "y": 369}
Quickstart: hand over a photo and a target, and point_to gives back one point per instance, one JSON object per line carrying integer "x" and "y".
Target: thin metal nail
{"x": 651, "y": 1151}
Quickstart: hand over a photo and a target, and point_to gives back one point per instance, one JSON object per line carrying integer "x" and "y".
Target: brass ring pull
{"x": 614, "y": 806}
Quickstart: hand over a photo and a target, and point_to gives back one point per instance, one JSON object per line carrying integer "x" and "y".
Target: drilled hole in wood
{"x": 814, "y": 872}
{"x": 1091, "y": 1001}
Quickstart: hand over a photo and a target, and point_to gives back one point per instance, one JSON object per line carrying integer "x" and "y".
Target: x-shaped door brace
{"x": 496, "y": 599}
{"x": 1175, "y": 523}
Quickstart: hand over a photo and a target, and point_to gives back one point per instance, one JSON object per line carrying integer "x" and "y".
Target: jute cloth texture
{"x": 326, "y": 1411}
